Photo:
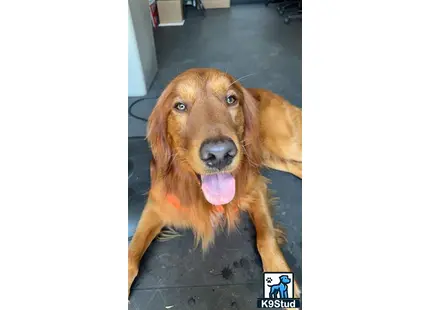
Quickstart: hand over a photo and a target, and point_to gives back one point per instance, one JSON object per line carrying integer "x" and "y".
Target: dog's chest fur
{"x": 217, "y": 219}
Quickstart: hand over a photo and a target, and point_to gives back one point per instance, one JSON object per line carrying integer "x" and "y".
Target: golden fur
{"x": 267, "y": 132}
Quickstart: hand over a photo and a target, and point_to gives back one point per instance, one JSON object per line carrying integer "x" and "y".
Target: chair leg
{"x": 290, "y": 17}
{"x": 201, "y": 7}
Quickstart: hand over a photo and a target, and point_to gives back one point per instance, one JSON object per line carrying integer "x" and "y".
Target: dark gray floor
{"x": 241, "y": 40}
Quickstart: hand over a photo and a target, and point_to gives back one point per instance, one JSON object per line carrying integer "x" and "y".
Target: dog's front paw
{"x": 132, "y": 273}
{"x": 297, "y": 290}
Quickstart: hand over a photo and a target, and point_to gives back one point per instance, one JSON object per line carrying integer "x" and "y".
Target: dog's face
{"x": 205, "y": 120}
{"x": 284, "y": 279}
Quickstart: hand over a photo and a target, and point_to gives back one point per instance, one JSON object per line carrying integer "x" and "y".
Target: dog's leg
{"x": 293, "y": 167}
{"x": 271, "y": 255}
{"x": 281, "y": 133}
{"x": 149, "y": 226}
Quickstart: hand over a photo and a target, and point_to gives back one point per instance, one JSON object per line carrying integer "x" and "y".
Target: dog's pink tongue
{"x": 219, "y": 189}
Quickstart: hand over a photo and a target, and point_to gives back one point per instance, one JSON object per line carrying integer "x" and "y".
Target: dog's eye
{"x": 180, "y": 107}
{"x": 230, "y": 100}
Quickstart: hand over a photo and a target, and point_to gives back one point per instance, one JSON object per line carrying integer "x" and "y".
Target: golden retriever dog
{"x": 209, "y": 138}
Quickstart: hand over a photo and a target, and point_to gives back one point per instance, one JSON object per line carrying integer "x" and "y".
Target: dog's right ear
{"x": 252, "y": 128}
{"x": 157, "y": 133}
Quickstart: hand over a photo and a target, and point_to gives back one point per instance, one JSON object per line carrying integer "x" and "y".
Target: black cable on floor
{"x": 132, "y": 105}
{"x": 140, "y": 118}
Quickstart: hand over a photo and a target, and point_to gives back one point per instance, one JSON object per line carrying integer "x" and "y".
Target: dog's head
{"x": 284, "y": 279}
{"x": 206, "y": 123}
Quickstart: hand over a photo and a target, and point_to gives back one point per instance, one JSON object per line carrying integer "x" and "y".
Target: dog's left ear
{"x": 252, "y": 128}
{"x": 157, "y": 134}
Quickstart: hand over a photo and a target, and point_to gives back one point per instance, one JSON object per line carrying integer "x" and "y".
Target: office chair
{"x": 285, "y": 5}
{"x": 294, "y": 15}
{"x": 198, "y": 4}
{"x": 267, "y": 2}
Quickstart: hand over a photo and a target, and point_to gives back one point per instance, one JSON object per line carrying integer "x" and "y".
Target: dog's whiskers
{"x": 241, "y": 78}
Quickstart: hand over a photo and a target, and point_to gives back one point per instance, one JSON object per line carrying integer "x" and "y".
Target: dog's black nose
{"x": 218, "y": 153}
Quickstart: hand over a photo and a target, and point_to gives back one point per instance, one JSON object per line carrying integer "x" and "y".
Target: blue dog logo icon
{"x": 278, "y": 294}
{"x": 279, "y": 290}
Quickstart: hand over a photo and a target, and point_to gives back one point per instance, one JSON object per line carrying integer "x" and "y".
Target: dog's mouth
{"x": 219, "y": 188}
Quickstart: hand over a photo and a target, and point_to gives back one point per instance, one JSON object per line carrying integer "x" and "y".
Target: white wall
{"x": 142, "y": 45}
{"x": 136, "y": 80}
